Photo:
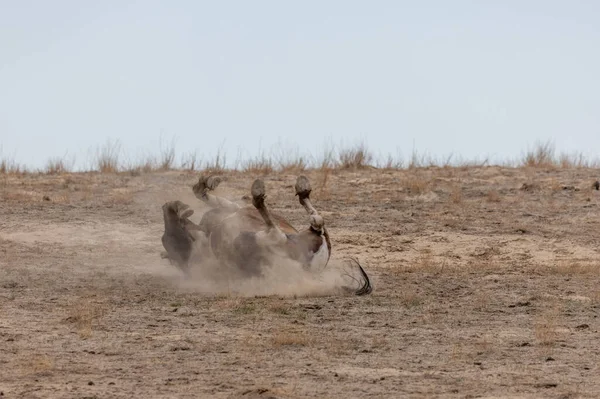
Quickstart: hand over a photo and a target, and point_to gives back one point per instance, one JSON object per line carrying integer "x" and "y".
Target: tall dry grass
{"x": 110, "y": 158}
{"x": 543, "y": 155}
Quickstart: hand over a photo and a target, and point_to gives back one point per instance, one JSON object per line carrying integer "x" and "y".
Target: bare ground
{"x": 487, "y": 284}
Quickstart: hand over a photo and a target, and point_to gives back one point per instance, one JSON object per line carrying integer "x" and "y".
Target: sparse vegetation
{"x": 543, "y": 155}
{"x": 356, "y": 157}
{"x": 56, "y": 166}
{"x": 285, "y": 338}
{"x": 545, "y": 328}
{"x": 108, "y": 158}
{"x": 83, "y": 314}
{"x": 459, "y": 285}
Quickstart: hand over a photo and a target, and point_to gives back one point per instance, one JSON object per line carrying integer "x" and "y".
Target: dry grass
{"x": 357, "y": 157}
{"x": 107, "y": 157}
{"x": 260, "y": 165}
{"x": 322, "y": 184}
{"x": 120, "y": 196}
{"x": 40, "y": 365}
{"x": 543, "y": 155}
{"x": 546, "y": 327}
{"x": 289, "y": 338}
{"x": 280, "y": 159}
{"x": 190, "y": 161}
{"x": 83, "y": 314}
{"x": 456, "y": 194}
{"x": 411, "y": 299}
{"x": 10, "y": 167}
{"x": 415, "y": 184}
{"x": 473, "y": 294}
{"x": 167, "y": 155}
{"x": 279, "y": 308}
{"x": 575, "y": 267}
{"x": 426, "y": 263}
{"x": 56, "y": 166}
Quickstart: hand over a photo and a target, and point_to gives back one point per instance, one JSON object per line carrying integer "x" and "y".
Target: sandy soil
{"x": 486, "y": 284}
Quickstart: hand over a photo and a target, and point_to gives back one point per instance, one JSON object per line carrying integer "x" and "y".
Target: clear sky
{"x": 474, "y": 78}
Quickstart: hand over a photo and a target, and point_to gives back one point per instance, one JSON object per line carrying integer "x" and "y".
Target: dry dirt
{"x": 486, "y": 284}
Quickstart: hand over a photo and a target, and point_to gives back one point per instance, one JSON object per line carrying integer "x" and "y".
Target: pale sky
{"x": 474, "y": 78}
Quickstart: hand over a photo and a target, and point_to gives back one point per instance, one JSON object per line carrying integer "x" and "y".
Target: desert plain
{"x": 486, "y": 285}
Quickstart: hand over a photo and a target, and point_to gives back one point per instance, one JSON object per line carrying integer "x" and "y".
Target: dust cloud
{"x": 285, "y": 278}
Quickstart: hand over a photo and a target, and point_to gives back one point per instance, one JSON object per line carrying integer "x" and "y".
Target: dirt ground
{"x": 486, "y": 284}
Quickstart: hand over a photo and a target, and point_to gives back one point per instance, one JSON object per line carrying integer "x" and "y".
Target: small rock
{"x": 596, "y": 185}
{"x": 91, "y": 383}
{"x": 549, "y": 359}
{"x": 46, "y": 198}
{"x": 583, "y": 326}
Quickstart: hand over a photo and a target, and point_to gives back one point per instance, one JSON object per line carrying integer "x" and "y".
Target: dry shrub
{"x": 289, "y": 338}
{"x": 167, "y": 155}
{"x": 217, "y": 164}
{"x": 357, "y": 157}
{"x": 576, "y": 160}
{"x": 107, "y": 157}
{"x": 542, "y": 156}
{"x": 296, "y": 164}
{"x": 190, "y": 161}
{"x": 144, "y": 165}
{"x": 10, "y": 167}
{"x": 391, "y": 163}
{"x": 288, "y": 159}
{"x": 56, "y": 166}
{"x": 260, "y": 165}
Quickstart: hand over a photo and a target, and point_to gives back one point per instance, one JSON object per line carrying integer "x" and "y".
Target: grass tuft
{"x": 357, "y": 157}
